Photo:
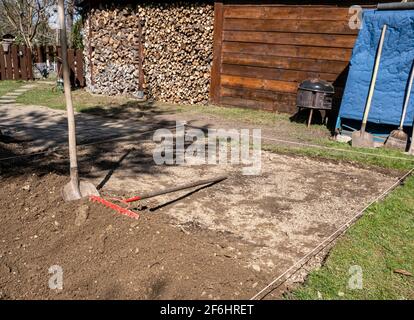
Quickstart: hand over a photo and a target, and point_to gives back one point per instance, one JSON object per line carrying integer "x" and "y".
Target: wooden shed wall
{"x": 262, "y": 52}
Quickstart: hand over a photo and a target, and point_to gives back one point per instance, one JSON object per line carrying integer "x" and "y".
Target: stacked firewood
{"x": 176, "y": 50}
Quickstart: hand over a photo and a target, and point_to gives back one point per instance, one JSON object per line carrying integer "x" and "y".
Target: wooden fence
{"x": 17, "y": 63}
{"x": 262, "y": 52}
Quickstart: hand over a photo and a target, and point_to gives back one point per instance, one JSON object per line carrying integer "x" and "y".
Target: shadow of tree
{"x": 106, "y": 137}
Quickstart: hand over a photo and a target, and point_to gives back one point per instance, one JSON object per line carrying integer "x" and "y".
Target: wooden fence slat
{"x": 59, "y": 61}
{"x": 79, "y": 67}
{"x": 261, "y": 84}
{"x": 275, "y": 74}
{"x": 29, "y": 64}
{"x": 304, "y": 64}
{"x": 23, "y": 64}
{"x": 282, "y": 25}
{"x": 217, "y": 53}
{"x": 299, "y": 39}
{"x": 15, "y": 62}
{"x": 9, "y": 70}
{"x": 247, "y": 103}
{"x": 288, "y": 51}
{"x": 286, "y": 12}
{"x": 71, "y": 62}
{"x": 260, "y": 95}
{"x": 2, "y": 64}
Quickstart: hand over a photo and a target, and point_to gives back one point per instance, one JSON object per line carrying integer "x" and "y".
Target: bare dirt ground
{"x": 226, "y": 241}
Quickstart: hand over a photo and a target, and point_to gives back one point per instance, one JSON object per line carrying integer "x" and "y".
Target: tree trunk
{"x": 69, "y": 20}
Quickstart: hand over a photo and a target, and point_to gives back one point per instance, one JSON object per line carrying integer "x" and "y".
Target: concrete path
{"x": 47, "y": 128}
{"x": 12, "y": 96}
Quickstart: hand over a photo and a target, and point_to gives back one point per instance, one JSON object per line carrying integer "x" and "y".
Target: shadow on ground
{"x": 106, "y": 137}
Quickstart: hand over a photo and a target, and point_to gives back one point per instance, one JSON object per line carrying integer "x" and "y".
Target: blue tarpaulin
{"x": 396, "y": 62}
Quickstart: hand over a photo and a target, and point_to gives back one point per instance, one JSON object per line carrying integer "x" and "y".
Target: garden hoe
{"x": 123, "y": 206}
{"x": 362, "y": 138}
{"x": 398, "y": 139}
{"x": 75, "y": 189}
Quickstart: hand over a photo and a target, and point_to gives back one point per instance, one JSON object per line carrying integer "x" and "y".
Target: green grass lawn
{"x": 7, "y": 86}
{"x": 381, "y": 242}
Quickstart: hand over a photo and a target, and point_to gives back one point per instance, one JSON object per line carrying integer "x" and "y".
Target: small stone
{"x": 82, "y": 215}
{"x": 26, "y": 187}
{"x": 341, "y": 294}
{"x": 256, "y": 267}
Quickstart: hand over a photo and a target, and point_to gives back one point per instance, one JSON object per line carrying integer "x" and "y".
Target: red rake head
{"x": 115, "y": 207}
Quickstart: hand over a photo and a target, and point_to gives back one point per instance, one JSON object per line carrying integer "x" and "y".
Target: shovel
{"x": 398, "y": 138}
{"x": 411, "y": 150}
{"x": 363, "y": 139}
{"x": 75, "y": 189}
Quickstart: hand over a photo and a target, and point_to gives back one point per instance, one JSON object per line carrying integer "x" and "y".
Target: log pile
{"x": 177, "y": 49}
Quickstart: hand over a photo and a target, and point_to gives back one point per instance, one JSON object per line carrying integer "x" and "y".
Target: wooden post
{"x": 15, "y": 62}
{"x": 90, "y": 42}
{"x": 79, "y": 67}
{"x": 215, "y": 81}
{"x": 74, "y": 175}
{"x": 59, "y": 61}
{"x": 71, "y": 63}
{"x": 29, "y": 65}
{"x": 23, "y": 64}
{"x": 9, "y": 70}
{"x": 2, "y": 65}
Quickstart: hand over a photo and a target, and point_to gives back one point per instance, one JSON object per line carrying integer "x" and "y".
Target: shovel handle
{"x": 407, "y": 98}
{"x": 174, "y": 189}
{"x": 374, "y": 79}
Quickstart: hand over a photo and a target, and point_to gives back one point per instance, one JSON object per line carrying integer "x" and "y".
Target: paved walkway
{"x": 12, "y": 96}
{"x": 47, "y": 128}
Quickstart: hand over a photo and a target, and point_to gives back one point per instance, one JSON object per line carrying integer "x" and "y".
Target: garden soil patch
{"x": 226, "y": 241}
{"x": 109, "y": 256}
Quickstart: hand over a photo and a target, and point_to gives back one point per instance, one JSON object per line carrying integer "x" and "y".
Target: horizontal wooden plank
{"x": 337, "y": 54}
{"x": 310, "y": 39}
{"x": 315, "y": 65}
{"x": 259, "y": 95}
{"x": 259, "y": 105}
{"x": 283, "y": 25}
{"x": 286, "y": 12}
{"x": 274, "y": 74}
{"x": 260, "y": 84}
{"x": 246, "y": 103}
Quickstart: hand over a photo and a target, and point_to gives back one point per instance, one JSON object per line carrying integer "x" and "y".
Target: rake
{"x": 123, "y": 206}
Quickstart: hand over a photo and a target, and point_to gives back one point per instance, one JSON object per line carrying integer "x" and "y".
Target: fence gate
{"x": 16, "y": 63}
